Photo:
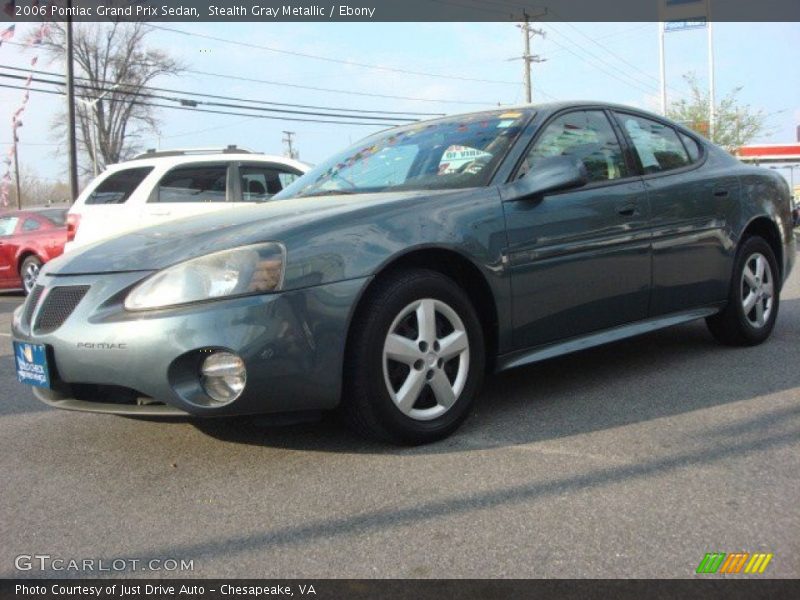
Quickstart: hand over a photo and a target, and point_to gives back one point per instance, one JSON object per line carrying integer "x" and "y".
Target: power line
{"x": 328, "y": 90}
{"x": 637, "y": 82}
{"x": 194, "y": 103}
{"x": 329, "y": 59}
{"x": 218, "y": 112}
{"x": 619, "y": 57}
{"x": 627, "y": 33}
{"x": 337, "y": 91}
{"x": 205, "y": 95}
{"x": 630, "y": 81}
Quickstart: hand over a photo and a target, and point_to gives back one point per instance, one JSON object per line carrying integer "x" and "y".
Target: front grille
{"x": 57, "y": 306}
{"x": 33, "y": 300}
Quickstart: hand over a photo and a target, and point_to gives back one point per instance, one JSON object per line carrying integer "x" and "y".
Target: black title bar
{"x": 401, "y": 10}
{"x": 398, "y": 589}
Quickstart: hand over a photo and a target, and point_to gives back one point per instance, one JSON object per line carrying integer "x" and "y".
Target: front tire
{"x": 415, "y": 360}
{"x": 28, "y": 272}
{"x": 754, "y": 297}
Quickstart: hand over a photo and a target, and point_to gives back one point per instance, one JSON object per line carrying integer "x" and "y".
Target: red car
{"x": 28, "y": 239}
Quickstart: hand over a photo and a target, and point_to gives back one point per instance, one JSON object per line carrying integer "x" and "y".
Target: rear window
{"x": 118, "y": 186}
{"x": 57, "y": 217}
{"x": 657, "y": 145}
{"x": 692, "y": 147}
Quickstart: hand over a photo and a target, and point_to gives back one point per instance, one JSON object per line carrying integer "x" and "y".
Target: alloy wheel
{"x": 29, "y": 277}
{"x": 757, "y": 290}
{"x": 426, "y": 359}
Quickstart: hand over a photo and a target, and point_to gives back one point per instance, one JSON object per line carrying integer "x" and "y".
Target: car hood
{"x": 169, "y": 243}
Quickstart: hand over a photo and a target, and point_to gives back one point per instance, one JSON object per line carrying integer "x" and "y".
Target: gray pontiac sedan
{"x": 389, "y": 279}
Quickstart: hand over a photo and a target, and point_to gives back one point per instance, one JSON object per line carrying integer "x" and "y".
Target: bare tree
{"x": 38, "y": 191}
{"x": 113, "y": 68}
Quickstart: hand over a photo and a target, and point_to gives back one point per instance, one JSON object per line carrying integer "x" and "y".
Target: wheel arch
{"x": 24, "y": 254}
{"x": 766, "y": 228}
{"x": 454, "y": 265}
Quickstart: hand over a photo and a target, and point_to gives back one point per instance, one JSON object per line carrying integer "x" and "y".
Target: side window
{"x": 198, "y": 183}
{"x": 118, "y": 186}
{"x": 691, "y": 146}
{"x": 586, "y": 135}
{"x": 657, "y": 145}
{"x": 260, "y": 183}
{"x": 288, "y": 179}
{"x": 30, "y": 225}
{"x": 8, "y": 225}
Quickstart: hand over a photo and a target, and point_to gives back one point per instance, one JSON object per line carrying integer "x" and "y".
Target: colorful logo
{"x": 736, "y": 562}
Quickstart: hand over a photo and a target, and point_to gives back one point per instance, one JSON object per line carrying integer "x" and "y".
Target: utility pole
{"x": 72, "y": 148}
{"x": 16, "y": 172}
{"x": 287, "y": 139}
{"x": 662, "y": 68}
{"x": 712, "y": 117}
{"x": 527, "y": 58}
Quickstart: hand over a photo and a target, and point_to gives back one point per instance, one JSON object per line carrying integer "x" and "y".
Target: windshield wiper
{"x": 328, "y": 193}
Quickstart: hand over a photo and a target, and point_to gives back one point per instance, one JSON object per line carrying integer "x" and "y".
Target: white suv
{"x": 159, "y": 186}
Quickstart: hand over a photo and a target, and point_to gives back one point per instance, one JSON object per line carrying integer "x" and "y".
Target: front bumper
{"x": 105, "y": 359}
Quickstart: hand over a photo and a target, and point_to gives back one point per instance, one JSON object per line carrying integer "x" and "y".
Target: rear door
{"x": 689, "y": 205}
{"x": 259, "y": 181}
{"x": 187, "y": 190}
{"x": 106, "y": 210}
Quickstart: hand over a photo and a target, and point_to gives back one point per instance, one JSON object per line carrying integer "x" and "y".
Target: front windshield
{"x": 457, "y": 152}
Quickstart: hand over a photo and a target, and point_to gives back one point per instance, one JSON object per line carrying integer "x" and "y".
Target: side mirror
{"x": 550, "y": 174}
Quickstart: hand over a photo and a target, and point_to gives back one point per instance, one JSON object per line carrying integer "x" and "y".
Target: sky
{"x": 615, "y": 62}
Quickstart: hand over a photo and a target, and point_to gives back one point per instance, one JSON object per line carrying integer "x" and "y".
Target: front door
{"x": 579, "y": 259}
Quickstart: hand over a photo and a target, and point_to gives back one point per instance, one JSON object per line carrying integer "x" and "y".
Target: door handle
{"x": 160, "y": 213}
{"x": 627, "y": 210}
{"x": 720, "y": 193}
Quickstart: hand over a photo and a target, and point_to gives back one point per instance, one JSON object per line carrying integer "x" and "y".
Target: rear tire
{"x": 415, "y": 359}
{"x": 28, "y": 272}
{"x": 754, "y": 297}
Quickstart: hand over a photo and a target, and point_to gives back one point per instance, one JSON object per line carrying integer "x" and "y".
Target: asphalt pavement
{"x": 631, "y": 460}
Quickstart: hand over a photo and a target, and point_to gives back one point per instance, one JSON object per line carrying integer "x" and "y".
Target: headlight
{"x": 247, "y": 270}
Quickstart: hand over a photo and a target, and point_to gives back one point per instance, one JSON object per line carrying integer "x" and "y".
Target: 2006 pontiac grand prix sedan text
{"x": 389, "y": 278}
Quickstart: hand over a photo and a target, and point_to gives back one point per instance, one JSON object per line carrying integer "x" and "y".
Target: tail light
{"x": 73, "y": 220}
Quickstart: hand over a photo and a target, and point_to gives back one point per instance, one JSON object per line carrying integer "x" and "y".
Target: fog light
{"x": 223, "y": 377}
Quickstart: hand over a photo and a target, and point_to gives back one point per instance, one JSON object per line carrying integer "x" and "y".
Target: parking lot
{"x": 632, "y": 460}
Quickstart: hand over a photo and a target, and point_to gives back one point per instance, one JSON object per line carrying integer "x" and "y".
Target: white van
{"x": 159, "y": 186}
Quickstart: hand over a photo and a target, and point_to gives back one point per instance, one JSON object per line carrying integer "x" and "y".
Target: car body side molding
{"x": 540, "y": 353}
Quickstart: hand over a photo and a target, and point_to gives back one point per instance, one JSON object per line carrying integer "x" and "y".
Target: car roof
{"x": 544, "y": 107}
{"x": 172, "y": 160}
{"x": 31, "y": 210}
{"x": 549, "y": 108}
